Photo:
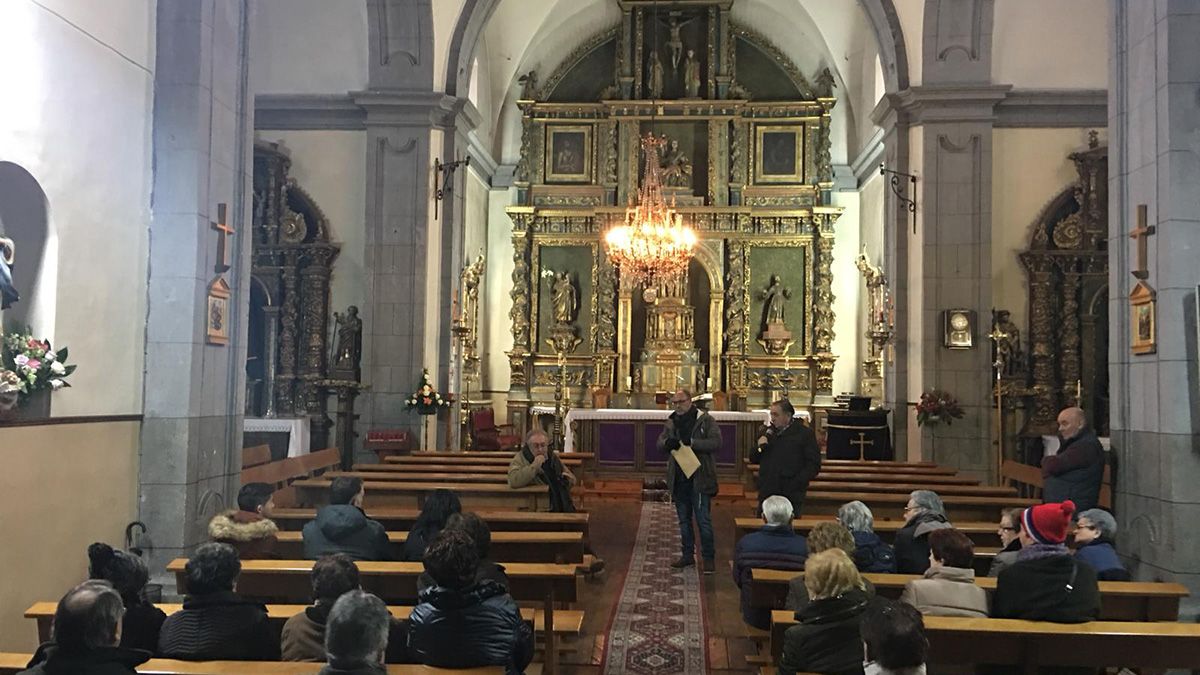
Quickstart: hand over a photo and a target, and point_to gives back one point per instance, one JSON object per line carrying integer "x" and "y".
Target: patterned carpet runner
{"x": 658, "y": 623}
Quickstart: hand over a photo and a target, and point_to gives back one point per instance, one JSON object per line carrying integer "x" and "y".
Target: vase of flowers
{"x": 29, "y": 371}
{"x": 937, "y": 406}
{"x": 426, "y": 400}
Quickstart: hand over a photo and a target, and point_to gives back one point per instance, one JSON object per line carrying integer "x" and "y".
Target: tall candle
{"x": 708, "y": 384}
{"x": 629, "y": 382}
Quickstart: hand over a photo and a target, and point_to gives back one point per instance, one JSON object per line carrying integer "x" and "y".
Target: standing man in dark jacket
{"x": 343, "y": 526}
{"x": 87, "y": 630}
{"x": 692, "y": 427}
{"x": 1076, "y": 471}
{"x": 464, "y": 623}
{"x": 923, "y": 514}
{"x": 776, "y": 546}
{"x": 787, "y": 456}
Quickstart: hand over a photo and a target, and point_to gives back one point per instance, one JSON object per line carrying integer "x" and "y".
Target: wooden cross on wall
{"x": 223, "y": 233}
{"x": 1139, "y": 234}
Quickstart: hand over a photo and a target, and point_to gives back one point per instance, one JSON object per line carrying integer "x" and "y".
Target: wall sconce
{"x": 443, "y": 179}
{"x": 899, "y": 190}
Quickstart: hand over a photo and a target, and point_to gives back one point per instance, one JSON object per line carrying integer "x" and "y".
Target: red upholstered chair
{"x": 488, "y": 436}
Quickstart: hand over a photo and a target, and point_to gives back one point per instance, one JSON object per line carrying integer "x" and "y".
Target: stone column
{"x": 191, "y": 435}
{"x": 1155, "y": 415}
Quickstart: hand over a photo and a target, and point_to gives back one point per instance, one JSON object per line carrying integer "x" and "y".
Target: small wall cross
{"x": 862, "y": 442}
{"x": 1139, "y": 234}
{"x": 223, "y": 232}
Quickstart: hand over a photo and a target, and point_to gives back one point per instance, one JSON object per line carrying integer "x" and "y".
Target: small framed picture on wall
{"x": 216, "y": 314}
{"x": 1144, "y": 339}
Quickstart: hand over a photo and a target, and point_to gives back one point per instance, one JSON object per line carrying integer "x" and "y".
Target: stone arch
{"x": 25, "y": 218}
{"x": 889, "y": 36}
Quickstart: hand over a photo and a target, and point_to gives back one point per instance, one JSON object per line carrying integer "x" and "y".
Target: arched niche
{"x": 25, "y": 218}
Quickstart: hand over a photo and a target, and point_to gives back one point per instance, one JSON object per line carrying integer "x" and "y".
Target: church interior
{"x": 411, "y": 242}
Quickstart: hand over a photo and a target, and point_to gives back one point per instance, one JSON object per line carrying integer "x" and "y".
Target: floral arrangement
{"x": 425, "y": 399}
{"x": 27, "y": 365}
{"x": 937, "y": 405}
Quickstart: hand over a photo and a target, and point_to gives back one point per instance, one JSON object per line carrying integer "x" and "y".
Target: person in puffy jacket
{"x": 776, "y": 546}
{"x": 826, "y": 638}
{"x": 343, "y": 527}
{"x": 462, "y": 622}
{"x": 248, "y": 528}
{"x": 1094, "y": 532}
{"x": 923, "y": 514}
{"x": 871, "y": 554}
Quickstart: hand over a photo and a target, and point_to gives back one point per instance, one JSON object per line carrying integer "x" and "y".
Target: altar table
{"x": 295, "y": 427}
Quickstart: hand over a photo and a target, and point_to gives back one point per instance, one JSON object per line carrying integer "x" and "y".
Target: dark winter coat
{"x": 416, "y": 543}
{"x": 705, "y": 439}
{"x": 872, "y": 555}
{"x": 1037, "y": 589}
{"x": 1075, "y": 473}
{"x": 1005, "y": 558}
{"x": 345, "y": 528}
{"x": 786, "y": 463}
{"x": 141, "y": 625}
{"x": 912, "y": 542}
{"x": 774, "y": 547}
{"x": 827, "y": 638}
{"x": 476, "y": 626}
{"x": 219, "y": 627}
{"x": 364, "y": 669}
{"x": 50, "y": 660}
{"x": 1102, "y": 557}
{"x": 252, "y": 535}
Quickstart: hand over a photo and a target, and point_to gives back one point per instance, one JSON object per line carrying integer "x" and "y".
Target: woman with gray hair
{"x": 923, "y": 514}
{"x": 871, "y": 554}
{"x": 1094, "y": 532}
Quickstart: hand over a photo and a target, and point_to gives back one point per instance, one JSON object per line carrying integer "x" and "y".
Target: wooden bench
{"x": 566, "y": 622}
{"x": 459, "y": 458}
{"x": 982, "y": 533}
{"x": 1030, "y": 644}
{"x": 1029, "y": 479}
{"x": 888, "y": 505}
{"x": 931, "y": 479}
{"x": 497, "y": 469}
{"x": 1119, "y": 600}
{"x": 890, "y": 486}
{"x": 11, "y": 663}
{"x": 534, "y": 547}
{"x": 498, "y": 521}
{"x": 424, "y": 477}
{"x": 315, "y": 492}
{"x": 259, "y": 454}
{"x": 283, "y": 473}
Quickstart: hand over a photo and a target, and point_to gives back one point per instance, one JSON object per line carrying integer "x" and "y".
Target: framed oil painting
{"x": 779, "y": 154}
{"x": 569, "y": 154}
{"x": 216, "y": 314}
{"x": 1144, "y": 337}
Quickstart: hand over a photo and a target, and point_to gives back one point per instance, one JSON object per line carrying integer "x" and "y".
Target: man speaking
{"x": 692, "y": 490}
{"x": 787, "y": 456}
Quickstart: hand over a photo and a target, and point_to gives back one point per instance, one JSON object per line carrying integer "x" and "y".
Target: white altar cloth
{"x": 573, "y": 414}
{"x": 295, "y": 427}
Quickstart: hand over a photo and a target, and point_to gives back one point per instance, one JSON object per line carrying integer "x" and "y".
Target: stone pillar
{"x": 1155, "y": 417}
{"x": 191, "y": 435}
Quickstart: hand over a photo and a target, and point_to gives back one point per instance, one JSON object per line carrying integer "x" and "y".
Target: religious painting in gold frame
{"x": 779, "y": 154}
{"x": 568, "y": 153}
{"x": 1144, "y": 337}
{"x": 216, "y": 313}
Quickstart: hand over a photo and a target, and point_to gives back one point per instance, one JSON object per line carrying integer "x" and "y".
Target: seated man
{"x": 923, "y": 514}
{"x": 248, "y": 528}
{"x": 464, "y": 623}
{"x": 776, "y": 546}
{"x": 356, "y": 635}
{"x": 87, "y": 630}
{"x": 304, "y": 633}
{"x": 215, "y": 623}
{"x": 343, "y": 527}
{"x": 1046, "y": 583}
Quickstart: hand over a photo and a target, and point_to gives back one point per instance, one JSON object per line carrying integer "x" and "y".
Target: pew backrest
{"x": 259, "y": 454}
{"x": 1029, "y": 478}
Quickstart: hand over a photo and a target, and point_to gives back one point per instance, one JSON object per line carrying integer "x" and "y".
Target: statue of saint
{"x": 529, "y": 84}
{"x": 691, "y": 75}
{"x": 676, "y": 167}
{"x": 8, "y": 290}
{"x": 563, "y": 298}
{"x": 654, "y": 75}
{"x": 775, "y": 296}
{"x": 825, "y": 83}
{"x": 1008, "y": 348}
{"x": 347, "y": 351}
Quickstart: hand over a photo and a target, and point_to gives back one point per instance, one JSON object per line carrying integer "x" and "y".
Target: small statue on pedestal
{"x": 347, "y": 352}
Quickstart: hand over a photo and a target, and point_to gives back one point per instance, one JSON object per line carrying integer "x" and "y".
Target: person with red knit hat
{"x": 1047, "y": 583}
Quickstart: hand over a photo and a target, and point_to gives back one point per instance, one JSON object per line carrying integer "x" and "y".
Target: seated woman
{"x": 1046, "y": 583}
{"x": 894, "y": 639}
{"x": 827, "y": 639}
{"x": 824, "y": 536}
{"x": 1010, "y": 528}
{"x": 871, "y": 554}
{"x": 948, "y": 588}
{"x": 439, "y": 506}
{"x": 1094, "y": 532}
{"x": 923, "y": 514}
{"x": 128, "y": 575}
{"x": 215, "y": 623}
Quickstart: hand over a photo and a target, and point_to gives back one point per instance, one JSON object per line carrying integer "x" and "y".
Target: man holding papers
{"x": 691, "y": 436}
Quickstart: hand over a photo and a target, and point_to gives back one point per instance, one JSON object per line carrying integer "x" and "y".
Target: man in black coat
{"x": 1076, "y": 471}
{"x": 87, "y": 630}
{"x": 787, "y": 456}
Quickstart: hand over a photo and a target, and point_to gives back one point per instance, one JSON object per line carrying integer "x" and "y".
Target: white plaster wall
{"x": 331, "y": 167}
{"x": 1051, "y": 45}
{"x": 1029, "y": 168}
{"x": 308, "y": 46}
{"x": 445, "y": 18}
{"x": 77, "y": 116}
{"x": 848, "y": 292}
{"x": 911, "y": 14}
{"x": 475, "y": 218}
{"x": 497, "y": 338}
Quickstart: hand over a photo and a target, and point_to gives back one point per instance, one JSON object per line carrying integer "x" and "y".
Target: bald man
{"x": 1077, "y": 470}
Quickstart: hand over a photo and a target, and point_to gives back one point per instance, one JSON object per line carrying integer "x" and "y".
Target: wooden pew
{"x": 566, "y": 622}
{"x": 533, "y": 547}
{"x": 396, "y": 582}
{"x": 890, "y": 486}
{"x": 259, "y": 454}
{"x": 11, "y": 663}
{"x": 497, "y": 469}
{"x": 465, "y": 476}
{"x": 315, "y": 492}
{"x": 875, "y": 463}
{"x": 282, "y": 473}
{"x": 982, "y": 533}
{"x": 1030, "y": 644}
{"x": 498, "y": 521}
{"x": 891, "y": 505}
{"x": 931, "y": 479}
{"x": 1119, "y": 600}
{"x": 461, "y": 458}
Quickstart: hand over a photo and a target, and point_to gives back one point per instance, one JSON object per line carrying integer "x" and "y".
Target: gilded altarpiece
{"x": 746, "y": 163}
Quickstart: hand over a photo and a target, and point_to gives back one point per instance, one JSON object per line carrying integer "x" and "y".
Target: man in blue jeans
{"x": 692, "y": 427}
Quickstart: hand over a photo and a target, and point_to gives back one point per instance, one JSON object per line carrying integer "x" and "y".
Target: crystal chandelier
{"x": 653, "y": 243}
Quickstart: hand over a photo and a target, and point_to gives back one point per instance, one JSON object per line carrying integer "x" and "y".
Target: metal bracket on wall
{"x": 443, "y": 175}
{"x": 898, "y": 189}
